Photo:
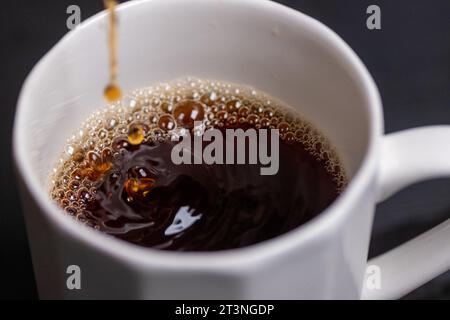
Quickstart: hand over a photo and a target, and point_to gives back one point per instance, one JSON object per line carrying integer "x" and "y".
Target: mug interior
{"x": 251, "y": 42}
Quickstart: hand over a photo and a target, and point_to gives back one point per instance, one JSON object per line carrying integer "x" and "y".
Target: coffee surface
{"x": 117, "y": 174}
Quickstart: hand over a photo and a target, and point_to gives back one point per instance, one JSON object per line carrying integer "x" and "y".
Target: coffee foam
{"x": 153, "y": 113}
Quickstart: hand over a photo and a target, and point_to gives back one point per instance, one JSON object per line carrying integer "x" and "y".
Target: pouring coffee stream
{"x": 112, "y": 91}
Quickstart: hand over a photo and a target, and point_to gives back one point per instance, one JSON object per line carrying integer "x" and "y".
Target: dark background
{"x": 409, "y": 59}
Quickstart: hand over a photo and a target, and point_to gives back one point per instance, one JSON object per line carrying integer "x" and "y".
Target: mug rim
{"x": 226, "y": 260}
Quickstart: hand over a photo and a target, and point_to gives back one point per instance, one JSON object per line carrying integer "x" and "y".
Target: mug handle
{"x": 407, "y": 157}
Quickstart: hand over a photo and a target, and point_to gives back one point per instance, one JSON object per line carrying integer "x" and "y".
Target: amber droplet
{"x": 140, "y": 182}
{"x": 136, "y": 133}
{"x": 81, "y": 173}
{"x": 90, "y": 174}
{"x": 187, "y": 112}
{"x": 112, "y": 93}
{"x": 100, "y": 163}
{"x": 167, "y": 123}
{"x": 139, "y": 188}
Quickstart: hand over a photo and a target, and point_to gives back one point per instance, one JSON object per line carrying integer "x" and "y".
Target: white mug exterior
{"x": 254, "y": 42}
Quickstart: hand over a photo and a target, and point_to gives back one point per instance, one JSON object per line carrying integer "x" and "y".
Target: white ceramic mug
{"x": 275, "y": 49}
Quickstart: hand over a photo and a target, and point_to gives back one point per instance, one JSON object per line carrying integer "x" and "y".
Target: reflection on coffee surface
{"x": 118, "y": 174}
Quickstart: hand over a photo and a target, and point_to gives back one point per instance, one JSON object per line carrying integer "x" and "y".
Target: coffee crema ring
{"x": 161, "y": 113}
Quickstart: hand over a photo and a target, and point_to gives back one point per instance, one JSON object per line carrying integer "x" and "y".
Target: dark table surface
{"x": 409, "y": 59}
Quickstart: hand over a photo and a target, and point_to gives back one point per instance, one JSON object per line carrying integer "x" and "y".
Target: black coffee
{"x": 118, "y": 175}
